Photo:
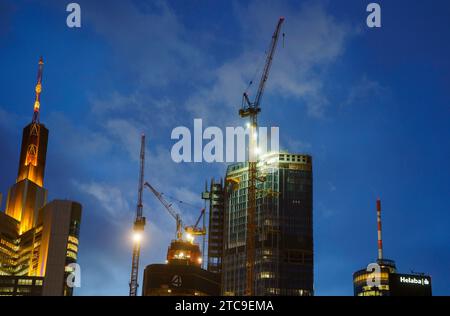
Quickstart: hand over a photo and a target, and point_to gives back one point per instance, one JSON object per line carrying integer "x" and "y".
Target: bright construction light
{"x": 137, "y": 237}
{"x": 247, "y": 125}
{"x": 255, "y": 135}
{"x": 200, "y": 260}
{"x": 190, "y": 238}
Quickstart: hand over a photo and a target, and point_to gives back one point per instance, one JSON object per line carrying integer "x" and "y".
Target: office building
{"x": 38, "y": 240}
{"x": 284, "y": 234}
{"x": 381, "y": 278}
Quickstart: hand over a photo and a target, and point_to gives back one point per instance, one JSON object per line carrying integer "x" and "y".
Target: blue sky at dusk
{"x": 372, "y": 106}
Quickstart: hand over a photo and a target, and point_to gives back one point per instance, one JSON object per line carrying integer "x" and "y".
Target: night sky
{"x": 372, "y": 106}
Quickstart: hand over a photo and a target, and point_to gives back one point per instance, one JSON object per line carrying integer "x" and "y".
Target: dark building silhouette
{"x": 182, "y": 275}
{"x": 179, "y": 280}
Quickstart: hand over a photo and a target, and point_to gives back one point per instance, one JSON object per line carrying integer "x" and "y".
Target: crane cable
{"x": 173, "y": 199}
{"x": 260, "y": 66}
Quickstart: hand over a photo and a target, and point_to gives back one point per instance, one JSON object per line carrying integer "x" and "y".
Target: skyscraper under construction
{"x": 284, "y": 227}
{"x": 38, "y": 240}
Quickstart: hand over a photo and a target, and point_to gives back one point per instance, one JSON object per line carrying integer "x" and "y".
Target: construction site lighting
{"x": 190, "y": 238}
{"x": 137, "y": 237}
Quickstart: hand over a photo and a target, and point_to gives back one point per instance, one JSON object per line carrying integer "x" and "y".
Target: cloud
{"x": 314, "y": 41}
{"x": 109, "y": 198}
{"x": 296, "y": 145}
{"x": 363, "y": 90}
{"x": 150, "y": 41}
{"x": 160, "y": 52}
{"x": 324, "y": 212}
{"x": 7, "y": 119}
{"x": 89, "y": 142}
{"x": 331, "y": 186}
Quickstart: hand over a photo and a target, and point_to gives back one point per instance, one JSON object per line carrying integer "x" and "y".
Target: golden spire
{"x": 38, "y": 89}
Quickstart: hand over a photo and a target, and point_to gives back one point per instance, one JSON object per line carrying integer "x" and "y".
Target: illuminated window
{"x": 72, "y": 247}
{"x": 73, "y": 240}
{"x": 38, "y": 282}
{"x": 267, "y": 275}
{"x": 25, "y": 282}
{"x": 23, "y": 290}
{"x": 71, "y": 254}
{"x": 273, "y": 291}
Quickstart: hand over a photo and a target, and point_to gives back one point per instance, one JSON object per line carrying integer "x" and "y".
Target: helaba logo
{"x": 412, "y": 280}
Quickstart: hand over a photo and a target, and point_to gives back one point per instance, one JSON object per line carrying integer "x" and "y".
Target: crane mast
{"x": 139, "y": 224}
{"x": 251, "y": 110}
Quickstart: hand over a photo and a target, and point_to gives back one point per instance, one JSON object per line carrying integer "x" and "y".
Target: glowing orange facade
{"x": 184, "y": 252}
{"x": 27, "y": 196}
{"x": 38, "y": 240}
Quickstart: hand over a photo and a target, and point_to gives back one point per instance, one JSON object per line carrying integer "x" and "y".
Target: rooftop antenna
{"x": 380, "y": 240}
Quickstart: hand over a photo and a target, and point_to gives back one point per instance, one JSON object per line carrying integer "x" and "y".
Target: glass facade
{"x": 284, "y": 234}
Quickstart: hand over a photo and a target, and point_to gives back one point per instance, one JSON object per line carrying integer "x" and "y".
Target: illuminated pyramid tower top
{"x": 34, "y": 141}
{"x": 28, "y": 195}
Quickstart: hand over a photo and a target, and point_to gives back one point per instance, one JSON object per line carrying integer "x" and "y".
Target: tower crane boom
{"x": 253, "y": 107}
{"x": 169, "y": 208}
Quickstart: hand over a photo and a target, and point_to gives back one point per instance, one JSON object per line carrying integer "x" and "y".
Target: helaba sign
{"x": 409, "y": 285}
{"x": 414, "y": 280}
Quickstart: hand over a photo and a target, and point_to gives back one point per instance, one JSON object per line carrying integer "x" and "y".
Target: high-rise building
{"x": 215, "y": 197}
{"x": 284, "y": 234}
{"x": 381, "y": 278}
{"x": 38, "y": 240}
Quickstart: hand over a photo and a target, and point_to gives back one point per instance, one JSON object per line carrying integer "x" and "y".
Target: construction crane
{"x": 139, "y": 224}
{"x": 192, "y": 230}
{"x": 251, "y": 110}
